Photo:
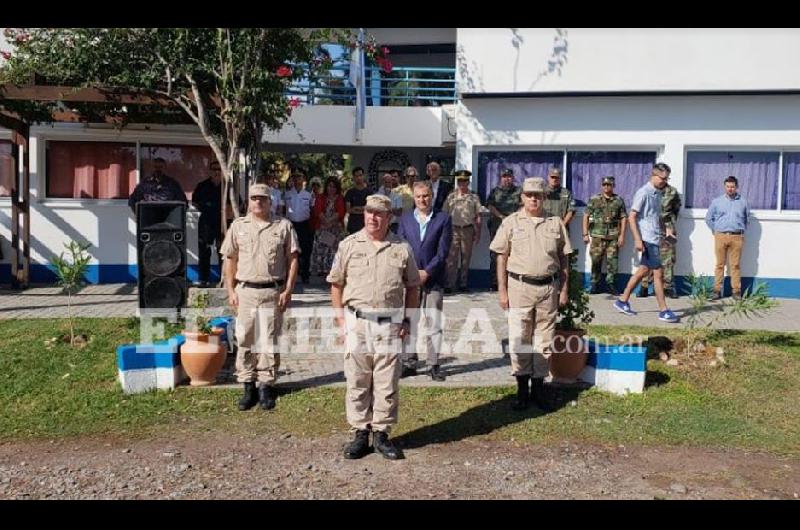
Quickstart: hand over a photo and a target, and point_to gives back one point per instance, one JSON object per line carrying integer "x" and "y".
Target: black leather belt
{"x": 267, "y": 285}
{"x": 733, "y": 233}
{"x": 377, "y": 317}
{"x": 532, "y": 280}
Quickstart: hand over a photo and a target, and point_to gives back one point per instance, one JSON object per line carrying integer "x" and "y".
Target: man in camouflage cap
{"x": 374, "y": 282}
{"x": 558, "y": 200}
{"x": 503, "y": 200}
{"x": 670, "y": 206}
{"x": 605, "y": 221}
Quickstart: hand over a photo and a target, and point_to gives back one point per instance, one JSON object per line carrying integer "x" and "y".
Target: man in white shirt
{"x": 387, "y": 189}
{"x": 277, "y": 207}
{"x": 441, "y": 189}
{"x": 298, "y": 210}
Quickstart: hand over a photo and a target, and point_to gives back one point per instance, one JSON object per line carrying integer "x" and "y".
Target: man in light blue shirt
{"x": 727, "y": 219}
{"x": 644, "y": 220}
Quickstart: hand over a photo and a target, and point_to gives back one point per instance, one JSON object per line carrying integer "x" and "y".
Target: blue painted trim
{"x": 621, "y": 357}
{"x": 778, "y": 287}
{"x": 97, "y": 274}
{"x": 162, "y": 354}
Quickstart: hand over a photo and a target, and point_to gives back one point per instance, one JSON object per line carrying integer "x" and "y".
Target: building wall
{"x": 626, "y": 59}
{"x": 670, "y": 126}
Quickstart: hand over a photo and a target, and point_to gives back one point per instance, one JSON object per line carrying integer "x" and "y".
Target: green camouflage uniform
{"x": 557, "y": 202}
{"x": 506, "y": 200}
{"x": 670, "y": 206}
{"x": 605, "y": 220}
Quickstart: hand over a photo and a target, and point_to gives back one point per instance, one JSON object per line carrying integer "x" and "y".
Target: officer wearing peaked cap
{"x": 532, "y": 267}
{"x": 260, "y": 271}
{"x": 374, "y": 279}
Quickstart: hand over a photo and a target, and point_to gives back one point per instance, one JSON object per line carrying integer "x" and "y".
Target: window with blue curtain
{"x": 791, "y": 182}
{"x": 756, "y": 171}
{"x": 524, "y": 164}
{"x": 585, "y": 170}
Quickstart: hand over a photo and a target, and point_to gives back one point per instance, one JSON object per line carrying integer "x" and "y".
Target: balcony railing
{"x": 402, "y": 87}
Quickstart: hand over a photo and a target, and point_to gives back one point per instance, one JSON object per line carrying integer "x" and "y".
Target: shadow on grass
{"x": 486, "y": 418}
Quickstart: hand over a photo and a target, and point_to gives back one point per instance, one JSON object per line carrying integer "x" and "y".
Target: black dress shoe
{"x": 408, "y": 371}
{"x": 382, "y": 444}
{"x": 266, "y": 397}
{"x": 448, "y": 290}
{"x": 250, "y": 397}
{"x": 359, "y": 447}
{"x": 436, "y": 373}
{"x": 643, "y": 292}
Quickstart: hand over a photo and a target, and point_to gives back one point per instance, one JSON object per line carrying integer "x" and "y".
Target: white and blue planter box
{"x": 616, "y": 368}
{"x": 143, "y": 367}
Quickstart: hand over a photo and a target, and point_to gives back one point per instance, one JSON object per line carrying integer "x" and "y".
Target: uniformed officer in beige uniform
{"x": 260, "y": 271}
{"x": 464, "y": 208}
{"x": 532, "y": 267}
{"x": 374, "y": 279}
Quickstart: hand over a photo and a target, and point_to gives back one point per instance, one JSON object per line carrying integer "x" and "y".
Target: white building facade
{"x": 591, "y": 101}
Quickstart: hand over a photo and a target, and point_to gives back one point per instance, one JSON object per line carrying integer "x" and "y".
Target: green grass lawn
{"x": 751, "y": 403}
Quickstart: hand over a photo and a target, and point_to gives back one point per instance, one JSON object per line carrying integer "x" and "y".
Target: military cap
{"x": 378, "y": 202}
{"x": 463, "y": 174}
{"x": 259, "y": 190}
{"x": 506, "y": 171}
{"x": 533, "y": 185}
{"x": 608, "y": 180}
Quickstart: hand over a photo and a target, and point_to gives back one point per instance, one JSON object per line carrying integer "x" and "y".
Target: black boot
{"x": 266, "y": 397}
{"x": 250, "y": 397}
{"x": 523, "y": 393}
{"x": 385, "y": 446}
{"x": 359, "y": 447}
{"x": 644, "y": 292}
{"x": 436, "y": 373}
{"x": 612, "y": 290}
{"x": 540, "y": 395}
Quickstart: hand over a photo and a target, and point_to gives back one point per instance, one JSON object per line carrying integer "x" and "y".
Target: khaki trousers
{"x": 258, "y": 325}
{"x": 372, "y": 369}
{"x": 531, "y": 326}
{"x": 459, "y": 256}
{"x": 728, "y": 247}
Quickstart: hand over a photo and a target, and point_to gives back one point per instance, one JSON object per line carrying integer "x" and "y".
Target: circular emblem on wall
{"x": 384, "y": 161}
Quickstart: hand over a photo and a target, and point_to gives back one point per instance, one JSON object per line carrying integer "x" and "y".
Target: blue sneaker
{"x": 624, "y": 307}
{"x": 668, "y": 316}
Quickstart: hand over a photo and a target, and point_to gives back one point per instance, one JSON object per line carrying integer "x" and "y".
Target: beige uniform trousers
{"x": 372, "y": 369}
{"x": 459, "y": 256}
{"x": 258, "y": 324}
{"x": 531, "y": 306}
{"x": 728, "y": 247}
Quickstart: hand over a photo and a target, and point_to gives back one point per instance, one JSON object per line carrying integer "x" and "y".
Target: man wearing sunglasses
{"x": 670, "y": 206}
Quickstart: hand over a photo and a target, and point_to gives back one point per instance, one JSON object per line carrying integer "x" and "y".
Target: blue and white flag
{"x": 358, "y": 80}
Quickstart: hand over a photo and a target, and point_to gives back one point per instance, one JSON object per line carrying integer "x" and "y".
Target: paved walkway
{"x": 318, "y": 361}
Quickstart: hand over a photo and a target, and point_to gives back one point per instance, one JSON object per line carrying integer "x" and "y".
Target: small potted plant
{"x": 203, "y": 353}
{"x": 569, "y": 348}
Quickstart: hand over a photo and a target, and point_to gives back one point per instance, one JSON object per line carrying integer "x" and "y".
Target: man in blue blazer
{"x": 429, "y": 233}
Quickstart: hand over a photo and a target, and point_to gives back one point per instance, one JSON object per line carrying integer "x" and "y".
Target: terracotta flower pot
{"x": 569, "y": 356}
{"x": 202, "y": 356}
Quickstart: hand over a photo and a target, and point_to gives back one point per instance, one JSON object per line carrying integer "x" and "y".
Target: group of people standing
{"x": 408, "y": 243}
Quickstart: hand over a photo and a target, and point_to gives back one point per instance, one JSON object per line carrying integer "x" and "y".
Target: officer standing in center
{"x": 532, "y": 271}
{"x": 464, "y": 208}
{"x": 605, "y": 221}
{"x": 260, "y": 271}
{"x": 374, "y": 282}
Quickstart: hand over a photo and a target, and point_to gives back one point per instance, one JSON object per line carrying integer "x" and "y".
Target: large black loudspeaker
{"x": 161, "y": 253}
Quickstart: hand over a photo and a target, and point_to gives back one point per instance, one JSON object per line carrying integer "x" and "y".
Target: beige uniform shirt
{"x": 374, "y": 277}
{"x": 463, "y": 209}
{"x": 536, "y": 246}
{"x": 263, "y": 248}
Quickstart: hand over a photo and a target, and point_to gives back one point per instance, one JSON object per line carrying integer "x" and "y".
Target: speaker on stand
{"x": 161, "y": 254}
